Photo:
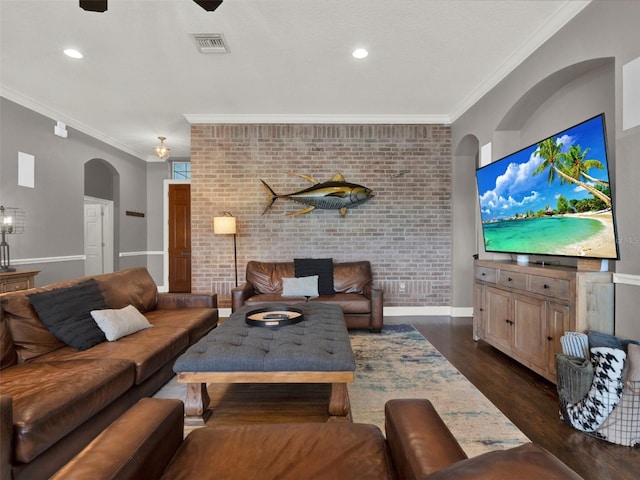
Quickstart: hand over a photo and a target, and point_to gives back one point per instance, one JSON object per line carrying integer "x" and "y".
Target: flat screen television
{"x": 552, "y": 197}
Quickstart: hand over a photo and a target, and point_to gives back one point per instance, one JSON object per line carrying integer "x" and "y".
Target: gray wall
{"x": 54, "y": 208}
{"x": 573, "y": 76}
{"x": 100, "y": 180}
{"x": 156, "y": 174}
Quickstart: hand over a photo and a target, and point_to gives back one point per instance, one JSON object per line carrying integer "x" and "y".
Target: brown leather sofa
{"x": 60, "y": 398}
{"x": 147, "y": 442}
{"x": 361, "y": 303}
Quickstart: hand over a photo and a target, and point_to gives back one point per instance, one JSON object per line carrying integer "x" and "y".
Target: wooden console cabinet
{"x": 523, "y": 310}
{"x": 18, "y": 280}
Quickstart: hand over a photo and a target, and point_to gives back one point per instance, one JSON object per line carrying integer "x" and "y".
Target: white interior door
{"x": 98, "y": 236}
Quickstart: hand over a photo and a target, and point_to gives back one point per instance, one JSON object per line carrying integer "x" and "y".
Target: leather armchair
{"x": 146, "y": 442}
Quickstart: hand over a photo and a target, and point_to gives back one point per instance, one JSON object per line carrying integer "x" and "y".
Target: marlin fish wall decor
{"x": 336, "y": 194}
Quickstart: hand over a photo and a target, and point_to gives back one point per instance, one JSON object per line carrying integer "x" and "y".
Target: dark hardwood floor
{"x": 528, "y": 400}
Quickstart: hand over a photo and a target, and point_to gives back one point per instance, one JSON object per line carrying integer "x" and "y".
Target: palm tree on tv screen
{"x": 578, "y": 167}
{"x": 569, "y": 166}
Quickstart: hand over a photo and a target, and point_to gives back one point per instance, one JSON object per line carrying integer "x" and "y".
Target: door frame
{"x": 165, "y": 228}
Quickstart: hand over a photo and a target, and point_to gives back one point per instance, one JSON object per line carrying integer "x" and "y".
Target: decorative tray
{"x": 273, "y": 317}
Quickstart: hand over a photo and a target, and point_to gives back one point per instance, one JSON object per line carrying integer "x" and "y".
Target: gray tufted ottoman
{"x": 315, "y": 350}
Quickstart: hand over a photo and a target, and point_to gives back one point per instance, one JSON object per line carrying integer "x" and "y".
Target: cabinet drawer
{"x": 513, "y": 280}
{"x": 485, "y": 274}
{"x": 22, "y": 284}
{"x": 550, "y": 287}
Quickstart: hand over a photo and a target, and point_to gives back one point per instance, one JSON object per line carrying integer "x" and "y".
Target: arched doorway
{"x": 464, "y": 236}
{"x": 101, "y": 189}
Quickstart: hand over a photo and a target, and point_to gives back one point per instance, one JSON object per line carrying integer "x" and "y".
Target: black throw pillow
{"x": 66, "y": 312}
{"x": 323, "y": 267}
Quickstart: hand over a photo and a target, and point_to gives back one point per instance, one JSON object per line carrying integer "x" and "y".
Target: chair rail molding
{"x": 627, "y": 279}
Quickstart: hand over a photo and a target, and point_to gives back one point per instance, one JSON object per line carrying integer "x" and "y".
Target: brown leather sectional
{"x": 56, "y": 399}
{"x": 361, "y": 303}
{"x": 147, "y": 442}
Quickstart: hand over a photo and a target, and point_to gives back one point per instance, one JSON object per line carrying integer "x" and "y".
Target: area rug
{"x": 400, "y": 363}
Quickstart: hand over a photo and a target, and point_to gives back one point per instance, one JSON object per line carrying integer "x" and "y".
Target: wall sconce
{"x": 162, "y": 151}
{"x": 11, "y": 221}
{"x": 226, "y": 225}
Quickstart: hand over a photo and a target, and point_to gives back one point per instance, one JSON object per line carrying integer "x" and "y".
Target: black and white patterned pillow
{"x": 606, "y": 389}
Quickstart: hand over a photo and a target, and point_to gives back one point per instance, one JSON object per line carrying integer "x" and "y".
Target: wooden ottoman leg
{"x": 339, "y": 406}
{"x": 196, "y": 412}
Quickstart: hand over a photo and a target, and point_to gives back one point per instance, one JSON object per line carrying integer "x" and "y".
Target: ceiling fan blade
{"x": 101, "y": 5}
{"x": 209, "y": 5}
{"x": 94, "y": 5}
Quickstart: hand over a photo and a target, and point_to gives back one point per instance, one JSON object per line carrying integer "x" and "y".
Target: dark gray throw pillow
{"x": 600, "y": 339}
{"x": 323, "y": 267}
{"x": 66, "y": 312}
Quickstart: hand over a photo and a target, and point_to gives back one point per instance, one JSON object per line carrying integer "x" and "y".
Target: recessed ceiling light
{"x": 73, "y": 53}
{"x": 360, "y": 53}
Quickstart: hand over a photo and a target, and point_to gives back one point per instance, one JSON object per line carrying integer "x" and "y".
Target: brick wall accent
{"x": 405, "y": 230}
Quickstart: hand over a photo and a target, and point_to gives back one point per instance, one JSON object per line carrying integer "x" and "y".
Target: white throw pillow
{"x": 300, "y": 286}
{"x": 118, "y": 323}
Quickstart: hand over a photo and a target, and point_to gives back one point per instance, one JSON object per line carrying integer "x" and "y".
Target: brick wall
{"x": 405, "y": 230}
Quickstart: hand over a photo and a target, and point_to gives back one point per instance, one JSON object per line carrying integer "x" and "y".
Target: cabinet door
{"x": 558, "y": 322}
{"x": 497, "y": 318}
{"x": 529, "y": 329}
{"x": 478, "y": 311}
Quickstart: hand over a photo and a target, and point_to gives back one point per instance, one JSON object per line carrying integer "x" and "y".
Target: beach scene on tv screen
{"x": 552, "y": 198}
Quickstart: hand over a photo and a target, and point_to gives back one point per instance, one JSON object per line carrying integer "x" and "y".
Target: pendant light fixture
{"x": 162, "y": 151}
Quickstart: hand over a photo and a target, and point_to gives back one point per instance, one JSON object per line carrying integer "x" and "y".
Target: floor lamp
{"x": 226, "y": 225}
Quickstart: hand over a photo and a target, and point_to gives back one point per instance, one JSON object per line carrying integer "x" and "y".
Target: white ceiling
{"x": 290, "y": 60}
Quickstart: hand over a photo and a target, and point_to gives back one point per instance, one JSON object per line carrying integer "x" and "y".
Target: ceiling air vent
{"x": 210, "y": 43}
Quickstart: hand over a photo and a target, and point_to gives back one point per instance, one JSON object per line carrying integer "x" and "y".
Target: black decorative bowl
{"x": 273, "y": 317}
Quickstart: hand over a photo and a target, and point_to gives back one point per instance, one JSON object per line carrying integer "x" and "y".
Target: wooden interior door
{"x": 179, "y": 237}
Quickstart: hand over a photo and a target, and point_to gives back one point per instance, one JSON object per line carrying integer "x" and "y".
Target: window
{"x": 181, "y": 170}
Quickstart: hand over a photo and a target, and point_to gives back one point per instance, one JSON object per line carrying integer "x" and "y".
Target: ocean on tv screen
{"x": 577, "y": 235}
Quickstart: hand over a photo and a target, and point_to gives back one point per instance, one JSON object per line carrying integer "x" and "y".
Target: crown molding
{"x": 38, "y": 107}
{"x": 564, "y": 15}
{"x": 400, "y": 119}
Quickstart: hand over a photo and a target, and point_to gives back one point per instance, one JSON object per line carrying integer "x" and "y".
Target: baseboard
{"x": 462, "y": 311}
{"x": 406, "y": 311}
{"x": 428, "y": 311}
